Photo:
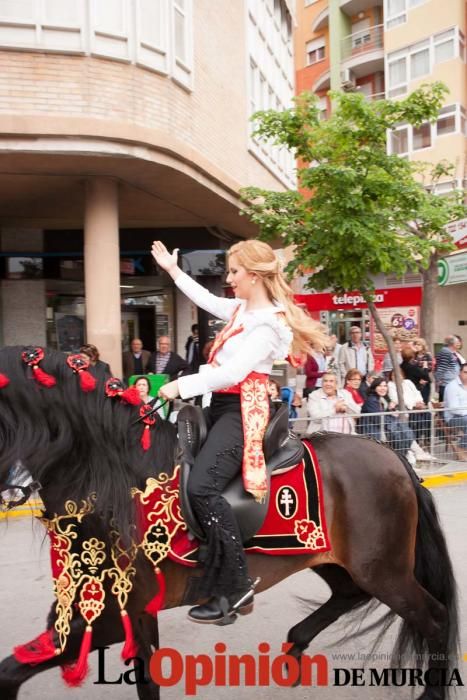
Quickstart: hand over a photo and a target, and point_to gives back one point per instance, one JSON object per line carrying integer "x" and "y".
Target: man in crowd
{"x": 136, "y": 359}
{"x": 447, "y": 364}
{"x": 164, "y": 361}
{"x": 455, "y": 408}
{"x": 355, "y": 354}
{"x": 331, "y": 408}
{"x": 192, "y": 349}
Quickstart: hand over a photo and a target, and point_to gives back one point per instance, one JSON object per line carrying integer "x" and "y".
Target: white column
{"x": 102, "y": 271}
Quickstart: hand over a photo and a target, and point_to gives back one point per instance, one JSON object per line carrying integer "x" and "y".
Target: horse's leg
{"x": 13, "y": 674}
{"x": 345, "y": 595}
{"x": 147, "y": 637}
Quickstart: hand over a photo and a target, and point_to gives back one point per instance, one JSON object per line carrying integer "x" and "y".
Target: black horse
{"x": 386, "y": 540}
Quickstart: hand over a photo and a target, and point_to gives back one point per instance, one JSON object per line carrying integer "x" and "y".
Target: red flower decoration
{"x": 32, "y": 356}
{"x": 143, "y": 411}
{"x": 113, "y": 387}
{"x": 80, "y": 366}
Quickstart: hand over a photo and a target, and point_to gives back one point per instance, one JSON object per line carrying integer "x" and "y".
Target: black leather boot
{"x": 223, "y": 610}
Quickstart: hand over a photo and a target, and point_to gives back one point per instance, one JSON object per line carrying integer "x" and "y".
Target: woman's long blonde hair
{"x": 258, "y": 257}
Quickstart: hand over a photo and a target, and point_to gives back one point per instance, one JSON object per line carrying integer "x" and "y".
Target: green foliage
{"x": 368, "y": 212}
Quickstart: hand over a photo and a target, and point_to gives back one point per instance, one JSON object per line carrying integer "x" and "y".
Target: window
{"x": 446, "y": 124}
{"x": 395, "y": 13}
{"x": 421, "y": 137}
{"x": 315, "y": 51}
{"x": 444, "y": 46}
{"x": 361, "y": 33}
{"x": 419, "y": 60}
{"x": 400, "y": 140}
{"x": 397, "y": 74}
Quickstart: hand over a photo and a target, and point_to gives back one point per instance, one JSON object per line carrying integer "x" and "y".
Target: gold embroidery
{"x": 254, "y": 402}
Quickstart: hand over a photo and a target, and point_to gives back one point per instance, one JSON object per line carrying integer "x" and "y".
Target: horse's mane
{"x": 76, "y": 443}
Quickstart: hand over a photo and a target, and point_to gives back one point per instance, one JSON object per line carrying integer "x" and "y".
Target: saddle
{"x": 282, "y": 451}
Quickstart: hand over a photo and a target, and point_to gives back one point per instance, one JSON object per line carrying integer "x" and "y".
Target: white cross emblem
{"x": 286, "y": 500}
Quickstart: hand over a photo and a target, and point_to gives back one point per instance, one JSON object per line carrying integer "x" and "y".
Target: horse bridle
{"x": 27, "y": 490}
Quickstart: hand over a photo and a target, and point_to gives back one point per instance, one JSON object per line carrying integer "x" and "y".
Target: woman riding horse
{"x": 263, "y": 325}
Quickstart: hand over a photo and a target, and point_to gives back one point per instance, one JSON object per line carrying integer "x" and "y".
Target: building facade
{"x": 122, "y": 122}
{"x": 386, "y": 49}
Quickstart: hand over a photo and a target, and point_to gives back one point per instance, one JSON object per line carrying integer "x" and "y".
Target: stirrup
{"x": 230, "y": 612}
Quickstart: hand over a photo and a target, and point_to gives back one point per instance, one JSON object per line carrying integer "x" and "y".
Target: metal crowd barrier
{"x": 437, "y": 441}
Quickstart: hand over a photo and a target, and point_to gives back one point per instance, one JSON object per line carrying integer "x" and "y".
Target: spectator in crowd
{"x": 458, "y": 346}
{"x": 136, "y": 359}
{"x": 274, "y": 392}
{"x": 455, "y": 405}
{"x": 164, "y": 361}
{"x": 315, "y": 367}
{"x": 352, "y": 382}
{"x": 447, "y": 364}
{"x": 366, "y": 383}
{"x": 99, "y": 369}
{"x": 144, "y": 387}
{"x": 192, "y": 349}
{"x": 332, "y": 363}
{"x": 355, "y": 354}
{"x": 425, "y": 361}
{"x": 420, "y": 423}
{"x": 397, "y": 433}
{"x": 387, "y": 362}
{"x": 420, "y": 376}
{"x": 331, "y": 408}
{"x": 335, "y": 347}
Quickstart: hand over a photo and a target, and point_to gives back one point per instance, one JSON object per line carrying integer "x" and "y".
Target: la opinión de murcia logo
{"x": 168, "y": 667}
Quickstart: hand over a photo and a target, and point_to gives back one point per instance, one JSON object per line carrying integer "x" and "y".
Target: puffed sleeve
{"x": 257, "y": 347}
{"x": 221, "y": 307}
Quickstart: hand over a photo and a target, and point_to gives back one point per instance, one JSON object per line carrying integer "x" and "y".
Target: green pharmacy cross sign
{"x": 452, "y": 270}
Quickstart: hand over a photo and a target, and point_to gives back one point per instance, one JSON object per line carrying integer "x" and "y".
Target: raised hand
{"x": 163, "y": 258}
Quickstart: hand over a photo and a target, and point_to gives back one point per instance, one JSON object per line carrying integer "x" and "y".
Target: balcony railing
{"x": 374, "y": 97}
{"x": 364, "y": 41}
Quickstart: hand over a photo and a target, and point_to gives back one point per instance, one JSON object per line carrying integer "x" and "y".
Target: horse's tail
{"x": 433, "y": 571}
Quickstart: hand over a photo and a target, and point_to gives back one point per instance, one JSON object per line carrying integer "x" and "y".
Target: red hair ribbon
{"x": 32, "y": 356}
{"x": 80, "y": 366}
{"x": 148, "y": 421}
{"x": 114, "y": 387}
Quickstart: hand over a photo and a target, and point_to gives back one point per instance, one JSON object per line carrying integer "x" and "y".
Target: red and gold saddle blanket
{"x": 295, "y": 522}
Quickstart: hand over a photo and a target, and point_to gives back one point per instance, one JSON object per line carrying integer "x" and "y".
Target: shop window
{"x": 24, "y": 268}
{"x": 422, "y": 137}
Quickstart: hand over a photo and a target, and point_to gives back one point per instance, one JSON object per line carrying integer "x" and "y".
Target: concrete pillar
{"x": 102, "y": 271}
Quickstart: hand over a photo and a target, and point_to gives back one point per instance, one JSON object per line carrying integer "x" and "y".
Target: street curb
{"x": 34, "y": 508}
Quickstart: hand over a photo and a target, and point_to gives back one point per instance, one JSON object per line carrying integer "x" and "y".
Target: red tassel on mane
{"x": 38, "y": 650}
{"x": 86, "y": 380}
{"x": 4, "y": 381}
{"x": 42, "y": 377}
{"x": 131, "y": 648}
{"x": 146, "y": 438}
{"x": 75, "y": 675}
{"x": 131, "y": 396}
{"x": 157, "y": 603}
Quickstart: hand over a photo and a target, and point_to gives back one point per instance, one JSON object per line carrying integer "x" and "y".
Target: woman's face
{"x": 382, "y": 389}
{"x": 241, "y": 281}
{"x": 354, "y": 381}
{"x": 272, "y": 391}
{"x": 142, "y": 387}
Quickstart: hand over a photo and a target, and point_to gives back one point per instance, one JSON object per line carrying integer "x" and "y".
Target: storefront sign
{"x": 401, "y": 296}
{"x": 458, "y": 231}
{"x": 452, "y": 270}
{"x": 401, "y": 322}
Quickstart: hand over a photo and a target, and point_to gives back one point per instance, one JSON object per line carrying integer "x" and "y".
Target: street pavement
{"x": 25, "y": 596}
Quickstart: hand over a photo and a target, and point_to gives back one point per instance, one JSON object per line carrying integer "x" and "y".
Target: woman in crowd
{"x": 424, "y": 361}
{"x": 100, "y": 370}
{"x": 420, "y": 376}
{"x": 420, "y": 423}
{"x": 143, "y": 386}
{"x": 315, "y": 367}
{"x": 352, "y": 382}
{"x": 385, "y": 425}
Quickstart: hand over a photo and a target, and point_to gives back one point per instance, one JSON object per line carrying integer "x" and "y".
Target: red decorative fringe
{"x": 4, "y": 381}
{"x": 42, "y": 377}
{"x": 146, "y": 438}
{"x": 131, "y": 396}
{"x": 38, "y": 650}
{"x": 86, "y": 380}
{"x": 75, "y": 675}
{"x": 131, "y": 648}
{"x": 157, "y": 603}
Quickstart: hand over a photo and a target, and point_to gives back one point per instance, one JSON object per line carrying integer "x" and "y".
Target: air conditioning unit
{"x": 348, "y": 81}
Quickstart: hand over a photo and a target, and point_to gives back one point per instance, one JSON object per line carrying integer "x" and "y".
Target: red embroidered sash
{"x": 254, "y": 403}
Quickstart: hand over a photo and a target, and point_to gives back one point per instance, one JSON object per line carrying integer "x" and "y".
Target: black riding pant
{"x": 217, "y": 463}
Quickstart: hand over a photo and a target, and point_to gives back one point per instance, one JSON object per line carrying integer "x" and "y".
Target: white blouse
{"x": 265, "y": 338}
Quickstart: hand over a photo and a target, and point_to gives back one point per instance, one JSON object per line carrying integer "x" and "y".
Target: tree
{"x": 359, "y": 211}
